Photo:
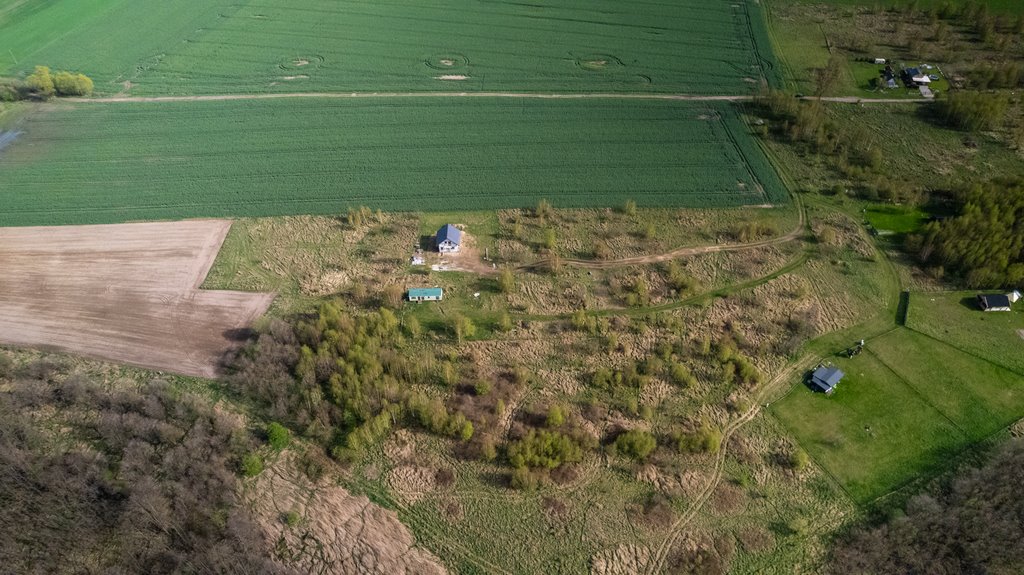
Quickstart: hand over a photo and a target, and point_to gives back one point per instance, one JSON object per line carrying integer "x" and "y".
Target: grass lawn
{"x": 981, "y": 398}
{"x": 896, "y": 219}
{"x": 875, "y": 433}
{"x": 954, "y": 317}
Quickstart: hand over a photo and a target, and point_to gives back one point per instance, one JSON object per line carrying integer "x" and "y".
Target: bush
{"x": 40, "y": 82}
{"x": 544, "y": 450}
{"x": 252, "y": 465}
{"x": 506, "y": 281}
{"x": 635, "y": 444}
{"x": 523, "y": 478}
{"x": 278, "y": 435}
{"x": 705, "y": 439}
{"x": 798, "y": 459}
{"x": 68, "y": 84}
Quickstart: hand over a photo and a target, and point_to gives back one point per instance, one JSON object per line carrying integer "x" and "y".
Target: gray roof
{"x": 994, "y": 300}
{"x": 827, "y": 377}
{"x": 450, "y": 233}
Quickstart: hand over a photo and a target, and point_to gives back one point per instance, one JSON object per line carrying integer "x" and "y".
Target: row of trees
{"x": 42, "y": 83}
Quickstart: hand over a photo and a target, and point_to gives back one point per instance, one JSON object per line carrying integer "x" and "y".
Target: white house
{"x": 448, "y": 239}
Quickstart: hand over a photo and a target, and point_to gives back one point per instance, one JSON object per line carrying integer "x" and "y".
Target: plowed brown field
{"x": 127, "y": 293}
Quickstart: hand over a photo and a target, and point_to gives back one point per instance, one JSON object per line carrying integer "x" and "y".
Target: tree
{"x": 506, "y": 281}
{"x": 825, "y": 79}
{"x": 462, "y": 327}
{"x": 41, "y": 82}
{"x": 549, "y": 239}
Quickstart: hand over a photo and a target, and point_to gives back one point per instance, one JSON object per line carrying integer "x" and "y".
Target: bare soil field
{"x": 126, "y": 292}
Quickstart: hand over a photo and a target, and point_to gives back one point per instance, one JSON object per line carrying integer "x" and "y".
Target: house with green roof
{"x": 426, "y": 294}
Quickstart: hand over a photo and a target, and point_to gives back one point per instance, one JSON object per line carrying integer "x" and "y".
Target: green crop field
{"x": 194, "y": 47}
{"x": 93, "y": 163}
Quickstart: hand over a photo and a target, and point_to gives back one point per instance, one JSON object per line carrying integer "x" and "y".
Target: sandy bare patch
{"x": 411, "y": 482}
{"x": 296, "y": 77}
{"x": 621, "y": 560}
{"x": 1020, "y": 332}
{"x": 127, "y": 293}
{"x": 300, "y": 63}
{"x": 337, "y": 533}
{"x": 451, "y": 77}
{"x": 446, "y": 62}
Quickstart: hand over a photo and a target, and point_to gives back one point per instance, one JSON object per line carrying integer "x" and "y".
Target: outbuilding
{"x": 426, "y": 294}
{"x": 995, "y": 302}
{"x": 826, "y": 378}
{"x": 448, "y": 239}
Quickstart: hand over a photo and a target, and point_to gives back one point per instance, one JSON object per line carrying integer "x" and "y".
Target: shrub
{"x": 68, "y": 84}
{"x": 545, "y": 450}
{"x": 506, "y": 281}
{"x": 798, "y": 459}
{"x": 41, "y": 82}
{"x": 704, "y": 439}
{"x": 635, "y": 444}
{"x": 278, "y": 435}
{"x": 252, "y": 465}
{"x": 523, "y": 478}
{"x": 555, "y": 416}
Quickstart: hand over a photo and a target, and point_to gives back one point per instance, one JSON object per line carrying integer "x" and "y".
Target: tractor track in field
{"x": 676, "y": 531}
{"x": 119, "y": 99}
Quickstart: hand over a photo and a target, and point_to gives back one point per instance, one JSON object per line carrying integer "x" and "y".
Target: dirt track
{"x": 127, "y": 293}
{"x": 122, "y": 99}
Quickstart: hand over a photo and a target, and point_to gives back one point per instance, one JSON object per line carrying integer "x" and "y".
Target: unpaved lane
{"x": 127, "y": 293}
{"x": 327, "y": 95}
{"x": 121, "y": 99}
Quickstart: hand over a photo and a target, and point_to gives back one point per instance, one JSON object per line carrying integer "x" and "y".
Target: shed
{"x": 879, "y": 60}
{"x": 826, "y": 378}
{"x": 1014, "y": 296}
{"x": 426, "y": 294}
{"x": 994, "y": 302}
{"x": 448, "y": 239}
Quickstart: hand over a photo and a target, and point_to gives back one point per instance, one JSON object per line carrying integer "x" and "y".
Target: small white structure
{"x": 1014, "y": 296}
{"x": 417, "y": 260}
{"x": 448, "y": 239}
{"x": 920, "y": 79}
{"x": 879, "y": 60}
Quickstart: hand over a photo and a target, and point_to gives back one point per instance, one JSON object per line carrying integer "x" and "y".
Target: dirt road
{"x": 121, "y": 99}
{"x": 127, "y": 293}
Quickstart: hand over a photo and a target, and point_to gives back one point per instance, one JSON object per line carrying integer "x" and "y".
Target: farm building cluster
{"x": 447, "y": 240}
{"x": 917, "y": 77}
